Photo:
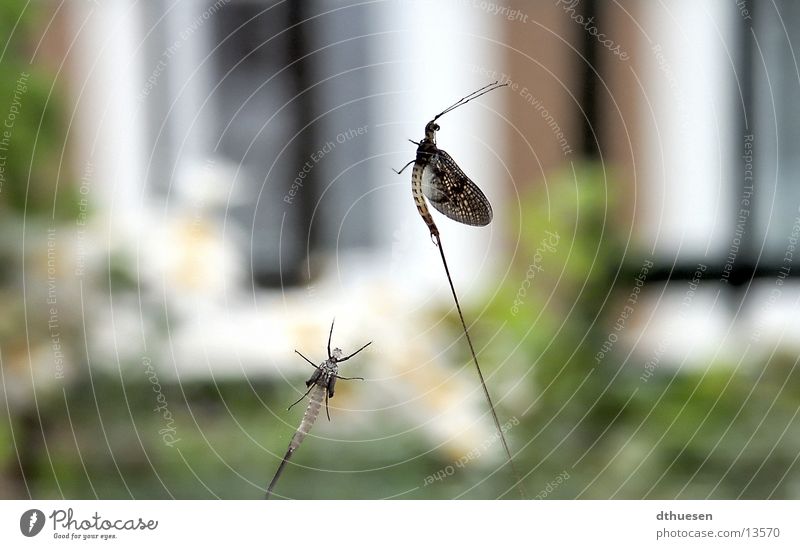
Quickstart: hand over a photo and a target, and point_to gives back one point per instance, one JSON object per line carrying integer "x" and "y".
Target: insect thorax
{"x": 329, "y": 368}
{"x": 426, "y": 150}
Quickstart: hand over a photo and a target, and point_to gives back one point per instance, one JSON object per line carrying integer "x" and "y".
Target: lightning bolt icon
{"x": 34, "y": 517}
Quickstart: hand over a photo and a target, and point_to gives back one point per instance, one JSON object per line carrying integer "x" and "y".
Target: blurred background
{"x": 190, "y": 190}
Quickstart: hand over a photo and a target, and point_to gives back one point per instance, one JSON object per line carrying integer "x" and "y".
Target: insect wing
{"x": 452, "y": 193}
{"x": 314, "y": 378}
{"x": 331, "y": 386}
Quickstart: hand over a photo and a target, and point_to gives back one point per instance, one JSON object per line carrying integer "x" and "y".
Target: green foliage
{"x": 707, "y": 430}
{"x": 31, "y": 117}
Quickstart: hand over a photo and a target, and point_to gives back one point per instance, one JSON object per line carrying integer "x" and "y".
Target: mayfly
{"x": 437, "y": 177}
{"x": 320, "y": 385}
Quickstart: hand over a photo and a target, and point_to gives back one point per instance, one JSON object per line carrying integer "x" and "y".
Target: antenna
{"x": 474, "y": 95}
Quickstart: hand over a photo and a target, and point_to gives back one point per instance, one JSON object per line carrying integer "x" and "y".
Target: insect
{"x": 437, "y": 177}
{"x": 320, "y": 385}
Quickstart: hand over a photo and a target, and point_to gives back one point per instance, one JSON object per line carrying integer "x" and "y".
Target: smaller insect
{"x": 321, "y": 384}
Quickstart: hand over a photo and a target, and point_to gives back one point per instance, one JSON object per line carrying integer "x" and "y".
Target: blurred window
{"x": 251, "y": 90}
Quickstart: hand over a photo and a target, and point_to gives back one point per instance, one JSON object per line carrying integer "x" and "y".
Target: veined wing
{"x": 450, "y": 191}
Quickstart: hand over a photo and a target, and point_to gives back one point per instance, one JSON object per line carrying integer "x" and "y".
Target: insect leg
{"x": 301, "y": 398}
{"x": 301, "y": 354}
{"x": 348, "y": 357}
{"x": 330, "y": 335}
{"x": 404, "y": 167}
{"x": 349, "y": 378}
{"x": 327, "y": 410}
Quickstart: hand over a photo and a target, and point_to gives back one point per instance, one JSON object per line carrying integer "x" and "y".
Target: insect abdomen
{"x": 419, "y": 198}
{"x": 312, "y": 411}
